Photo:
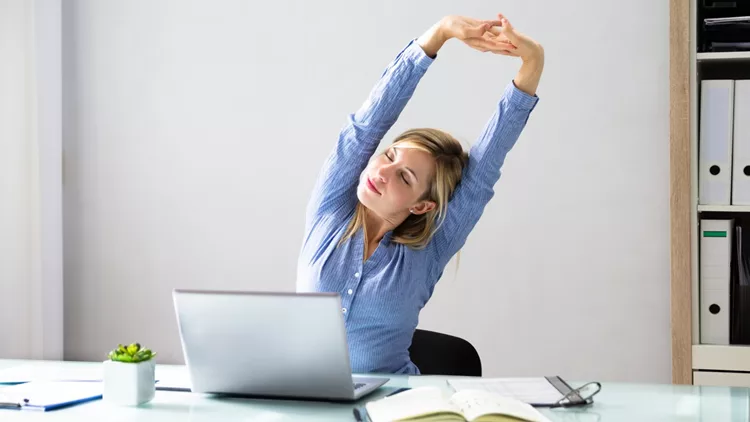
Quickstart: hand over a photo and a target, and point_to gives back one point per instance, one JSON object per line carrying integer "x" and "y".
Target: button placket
{"x": 350, "y": 292}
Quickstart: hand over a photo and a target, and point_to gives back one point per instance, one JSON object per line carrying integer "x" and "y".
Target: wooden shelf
{"x": 721, "y": 358}
{"x": 730, "y": 55}
{"x": 723, "y": 208}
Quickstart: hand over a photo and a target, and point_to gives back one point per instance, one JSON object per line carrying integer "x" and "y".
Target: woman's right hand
{"x": 473, "y": 32}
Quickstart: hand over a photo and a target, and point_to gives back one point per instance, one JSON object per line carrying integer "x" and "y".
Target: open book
{"x": 433, "y": 404}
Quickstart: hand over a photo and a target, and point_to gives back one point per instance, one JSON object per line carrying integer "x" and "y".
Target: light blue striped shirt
{"x": 383, "y": 296}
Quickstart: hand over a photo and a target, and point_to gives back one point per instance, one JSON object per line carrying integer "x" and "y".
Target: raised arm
{"x": 335, "y": 187}
{"x": 487, "y": 155}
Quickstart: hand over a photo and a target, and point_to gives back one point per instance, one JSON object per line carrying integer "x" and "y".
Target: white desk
{"x": 616, "y": 402}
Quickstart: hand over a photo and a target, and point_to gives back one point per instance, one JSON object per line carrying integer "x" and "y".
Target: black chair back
{"x": 443, "y": 354}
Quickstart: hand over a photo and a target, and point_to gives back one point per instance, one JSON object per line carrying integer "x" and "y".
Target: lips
{"x": 372, "y": 187}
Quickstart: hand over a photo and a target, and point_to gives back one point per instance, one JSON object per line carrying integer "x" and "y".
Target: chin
{"x": 364, "y": 197}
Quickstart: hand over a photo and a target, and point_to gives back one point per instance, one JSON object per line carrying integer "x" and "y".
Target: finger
{"x": 505, "y": 51}
{"x": 509, "y": 31}
{"x": 495, "y": 30}
{"x": 478, "y": 44}
{"x": 500, "y": 42}
{"x": 501, "y": 18}
{"x": 476, "y": 31}
{"x": 506, "y": 46}
{"x": 485, "y": 45}
{"x": 497, "y": 39}
{"x": 492, "y": 23}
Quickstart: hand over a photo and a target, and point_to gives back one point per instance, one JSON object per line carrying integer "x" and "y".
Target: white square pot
{"x": 129, "y": 384}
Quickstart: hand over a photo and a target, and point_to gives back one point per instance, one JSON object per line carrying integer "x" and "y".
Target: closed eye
{"x": 404, "y": 178}
{"x": 403, "y": 174}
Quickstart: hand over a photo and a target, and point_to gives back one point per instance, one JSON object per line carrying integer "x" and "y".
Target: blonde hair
{"x": 450, "y": 159}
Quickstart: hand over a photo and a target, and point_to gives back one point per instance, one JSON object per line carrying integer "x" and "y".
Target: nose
{"x": 383, "y": 173}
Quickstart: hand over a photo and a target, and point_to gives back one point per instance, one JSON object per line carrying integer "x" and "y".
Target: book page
{"x": 535, "y": 391}
{"x": 47, "y": 393}
{"x": 45, "y": 371}
{"x": 476, "y": 403}
{"x": 416, "y": 402}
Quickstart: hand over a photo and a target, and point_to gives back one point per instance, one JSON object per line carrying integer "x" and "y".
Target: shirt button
{"x": 356, "y": 275}
{"x": 343, "y": 310}
{"x": 350, "y": 291}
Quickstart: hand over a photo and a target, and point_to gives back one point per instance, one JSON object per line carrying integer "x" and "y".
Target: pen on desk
{"x": 397, "y": 391}
{"x": 8, "y": 402}
{"x": 357, "y": 415}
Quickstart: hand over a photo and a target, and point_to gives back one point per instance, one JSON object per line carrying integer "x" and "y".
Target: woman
{"x": 380, "y": 234}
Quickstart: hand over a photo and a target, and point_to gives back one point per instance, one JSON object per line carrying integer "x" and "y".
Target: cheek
{"x": 402, "y": 194}
{"x": 372, "y": 168}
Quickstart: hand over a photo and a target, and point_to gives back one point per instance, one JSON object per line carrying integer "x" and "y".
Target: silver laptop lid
{"x": 263, "y": 343}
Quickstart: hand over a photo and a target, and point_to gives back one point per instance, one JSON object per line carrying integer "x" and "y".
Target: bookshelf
{"x": 693, "y": 362}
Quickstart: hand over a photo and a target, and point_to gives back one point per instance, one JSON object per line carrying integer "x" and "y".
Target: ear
{"x": 422, "y": 207}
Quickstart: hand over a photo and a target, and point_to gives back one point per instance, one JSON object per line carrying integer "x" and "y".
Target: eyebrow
{"x": 407, "y": 168}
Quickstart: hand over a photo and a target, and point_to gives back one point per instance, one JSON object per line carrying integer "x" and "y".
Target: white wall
{"x": 195, "y": 130}
{"x": 14, "y": 180}
{"x": 31, "y": 298}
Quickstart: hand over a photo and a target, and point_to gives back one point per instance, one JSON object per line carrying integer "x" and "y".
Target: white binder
{"x": 715, "y": 278}
{"x": 715, "y": 146}
{"x": 741, "y": 141}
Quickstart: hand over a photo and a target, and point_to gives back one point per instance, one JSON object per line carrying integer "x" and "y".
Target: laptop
{"x": 266, "y": 344}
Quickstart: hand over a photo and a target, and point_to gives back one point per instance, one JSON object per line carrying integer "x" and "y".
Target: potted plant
{"x": 129, "y": 375}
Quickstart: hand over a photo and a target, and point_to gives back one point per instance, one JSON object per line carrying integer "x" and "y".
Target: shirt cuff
{"x": 519, "y": 98}
{"x": 413, "y": 51}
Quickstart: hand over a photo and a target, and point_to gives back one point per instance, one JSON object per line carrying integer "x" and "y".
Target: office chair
{"x": 442, "y": 354}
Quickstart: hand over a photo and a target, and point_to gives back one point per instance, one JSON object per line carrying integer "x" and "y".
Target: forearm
{"x": 390, "y": 95}
{"x": 433, "y": 39}
{"x": 486, "y": 159}
{"x": 528, "y": 76}
{"x": 359, "y": 137}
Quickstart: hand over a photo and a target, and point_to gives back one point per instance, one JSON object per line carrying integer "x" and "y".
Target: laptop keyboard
{"x": 358, "y": 385}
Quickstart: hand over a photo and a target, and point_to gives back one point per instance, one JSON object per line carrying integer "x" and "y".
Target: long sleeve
{"x": 335, "y": 188}
{"x": 486, "y": 158}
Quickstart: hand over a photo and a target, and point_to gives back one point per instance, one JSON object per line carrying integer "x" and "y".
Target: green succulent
{"x": 132, "y": 353}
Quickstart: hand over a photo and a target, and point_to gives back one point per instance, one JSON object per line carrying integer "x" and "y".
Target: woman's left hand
{"x": 530, "y": 52}
{"x": 524, "y": 47}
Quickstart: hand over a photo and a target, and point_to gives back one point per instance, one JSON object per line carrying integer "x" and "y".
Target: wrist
{"x": 433, "y": 39}
{"x": 536, "y": 57}
{"x": 442, "y": 29}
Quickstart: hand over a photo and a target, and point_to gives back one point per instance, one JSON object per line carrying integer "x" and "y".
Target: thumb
{"x": 508, "y": 30}
{"x": 478, "y": 31}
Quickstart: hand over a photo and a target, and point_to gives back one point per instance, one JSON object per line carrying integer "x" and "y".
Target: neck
{"x": 378, "y": 226}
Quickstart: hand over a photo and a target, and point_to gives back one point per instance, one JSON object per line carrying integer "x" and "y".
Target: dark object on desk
{"x": 358, "y": 415}
{"x": 443, "y": 354}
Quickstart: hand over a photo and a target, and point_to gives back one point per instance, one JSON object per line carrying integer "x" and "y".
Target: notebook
{"x": 433, "y": 404}
{"x": 44, "y": 371}
{"x": 49, "y": 395}
{"x": 536, "y": 391}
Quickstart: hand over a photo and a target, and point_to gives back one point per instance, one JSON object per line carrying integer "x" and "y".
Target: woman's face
{"x": 393, "y": 182}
